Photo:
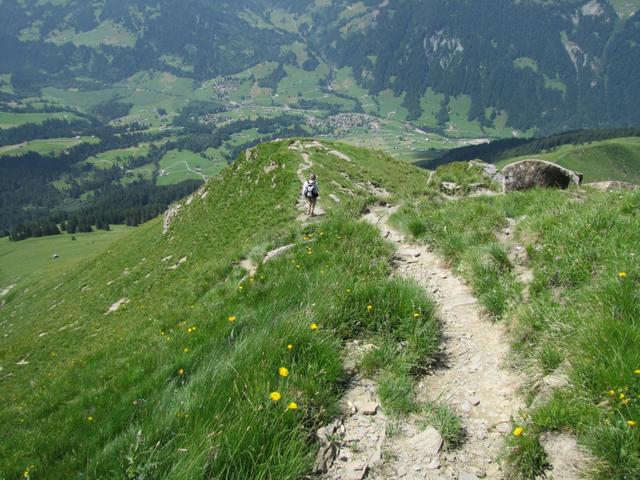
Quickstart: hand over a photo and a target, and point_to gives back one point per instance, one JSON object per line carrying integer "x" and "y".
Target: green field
{"x": 45, "y": 147}
{"x": 117, "y": 156}
{"x": 11, "y": 119}
{"x": 106, "y": 33}
{"x": 184, "y": 165}
{"x": 615, "y": 159}
{"x": 32, "y": 259}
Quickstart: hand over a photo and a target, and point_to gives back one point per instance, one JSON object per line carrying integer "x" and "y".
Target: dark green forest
{"x": 30, "y": 205}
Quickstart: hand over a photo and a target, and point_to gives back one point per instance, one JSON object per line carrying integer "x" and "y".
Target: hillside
{"x": 567, "y": 64}
{"x": 169, "y": 385}
{"x": 187, "y": 355}
{"x": 616, "y": 159}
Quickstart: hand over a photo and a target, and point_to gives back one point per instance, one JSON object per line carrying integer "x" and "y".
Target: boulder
{"x": 538, "y": 173}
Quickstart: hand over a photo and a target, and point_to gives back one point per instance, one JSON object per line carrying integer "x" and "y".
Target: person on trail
{"x": 310, "y": 192}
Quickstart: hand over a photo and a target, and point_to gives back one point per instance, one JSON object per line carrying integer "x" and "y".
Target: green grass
{"x": 11, "y": 119}
{"x": 467, "y": 177}
{"x": 33, "y": 258}
{"x": 167, "y": 386}
{"x": 184, "y": 165}
{"x": 579, "y": 309}
{"x": 442, "y": 417}
{"x": 615, "y": 159}
{"x": 117, "y": 156}
{"x": 106, "y": 33}
{"x": 45, "y": 147}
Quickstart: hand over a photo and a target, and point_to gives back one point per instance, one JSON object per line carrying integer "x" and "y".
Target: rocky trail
{"x": 471, "y": 377}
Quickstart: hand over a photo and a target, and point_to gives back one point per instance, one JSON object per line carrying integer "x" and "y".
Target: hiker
{"x": 310, "y": 192}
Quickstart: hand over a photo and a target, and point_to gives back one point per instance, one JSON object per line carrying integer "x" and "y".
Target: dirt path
{"x": 472, "y": 378}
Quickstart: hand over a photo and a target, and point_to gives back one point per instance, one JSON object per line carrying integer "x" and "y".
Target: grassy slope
{"x": 167, "y": 386}
{"x": 11, "y": 119}
{"x": 45, "y": 147}
{"x": 34, "y": 256}
{"x": 616, "y": 159}
{"x": 579, "y": 312}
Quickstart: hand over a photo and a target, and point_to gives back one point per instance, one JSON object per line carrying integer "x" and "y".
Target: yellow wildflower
{"x": 612, "y": 392}
{"x": 622, "y": 275}
{"x": 275, "y": 396}
{"x": 313, "y": 326}
{"x": 369, "y": 308}
{"x": 518, "y": 431}
{"x": 289, "y": 347}
{"x": 186, "y": 350}
{"x": 416, "y": 315}
{"x": 232, "y": 318}
{"x": 283, "y": 372}
{"x": 292, "y": 406}
{"x": 240, "y": 287}
{"x": 637, "y": 371}
{"x": 621, "y": 396}
{"x": 631, "y": 423}
{"x": 89, "y": 418}
{"x": 181, "y": 372}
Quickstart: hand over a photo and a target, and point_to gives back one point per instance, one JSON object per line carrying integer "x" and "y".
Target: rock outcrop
{"x": 612, "y": 185}
{"x": 538, "y": 173}
{"x": 490, "y": 170}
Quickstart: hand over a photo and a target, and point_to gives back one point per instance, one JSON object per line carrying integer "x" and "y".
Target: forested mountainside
{"x": 549, "y": 65}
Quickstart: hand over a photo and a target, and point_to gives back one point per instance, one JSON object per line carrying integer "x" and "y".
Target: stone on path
{"x": 566, "y": 457}
{"x": 428, "y": 443}
{"x": 368, "y": 408}
{"x": 277, "y": 252}
{"x": 467, "y": 476}
{"x": 117, "y": 305}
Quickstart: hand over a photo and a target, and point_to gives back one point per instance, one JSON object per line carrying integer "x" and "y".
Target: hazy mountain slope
{"x": 549, "y": 65}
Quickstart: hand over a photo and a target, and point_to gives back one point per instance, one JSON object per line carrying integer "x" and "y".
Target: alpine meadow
{"x": 321, "y": 240}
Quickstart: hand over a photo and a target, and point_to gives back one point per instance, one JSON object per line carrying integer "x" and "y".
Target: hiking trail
{"x": 471, "y": 377}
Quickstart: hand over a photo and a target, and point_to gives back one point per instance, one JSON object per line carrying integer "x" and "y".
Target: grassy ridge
{"x": 616, "y": 159}
{"x": 581, "y": 311}
{"x": 177, "y": 382}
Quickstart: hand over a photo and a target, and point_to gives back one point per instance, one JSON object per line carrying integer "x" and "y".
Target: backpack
{"x": 310, "y": 190}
